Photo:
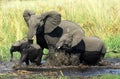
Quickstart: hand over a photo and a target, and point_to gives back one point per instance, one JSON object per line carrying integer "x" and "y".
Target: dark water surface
{"x": 91, "y": 72}
{"x": 6, "y": 67}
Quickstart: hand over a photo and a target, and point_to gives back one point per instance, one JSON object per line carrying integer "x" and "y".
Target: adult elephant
{"x": 91, "y": 50}
{"x": 49, "y": 28}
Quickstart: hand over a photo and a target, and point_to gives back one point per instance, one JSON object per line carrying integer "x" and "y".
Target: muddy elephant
{"x": 29, "y": 52}
{"x": 90, "y": 49}
{"x": 49, "y": 28}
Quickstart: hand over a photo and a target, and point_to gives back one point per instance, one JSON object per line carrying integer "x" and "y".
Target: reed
{"x": 97, "y": 17}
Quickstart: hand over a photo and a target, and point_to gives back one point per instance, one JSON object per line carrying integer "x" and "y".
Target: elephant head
{"x": 71, "y": 39}
{"x": 65, "y": 42}
{"x": 16, "y": 47}
{"x": 47, "y": 22}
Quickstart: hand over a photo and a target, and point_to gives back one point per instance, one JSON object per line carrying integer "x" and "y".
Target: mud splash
{"x": 62, "y": 59}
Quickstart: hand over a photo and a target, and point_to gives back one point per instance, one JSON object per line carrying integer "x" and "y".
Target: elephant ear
{"x": 27, "y": 14}
{"x": 76, "y": 37}
{"x": 74, "y": 42}
{"x": 19, "y": 43}
{"x": 51, "y": 20}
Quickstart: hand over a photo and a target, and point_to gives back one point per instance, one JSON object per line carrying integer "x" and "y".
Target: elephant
{"x": 48, "y": 28}
{"x": 32, "y": 52}
{"x": 90, "y": 50}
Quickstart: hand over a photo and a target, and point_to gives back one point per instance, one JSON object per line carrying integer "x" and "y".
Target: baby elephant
{"x": 31, "y": 52}
{"x": 90, "y": 49}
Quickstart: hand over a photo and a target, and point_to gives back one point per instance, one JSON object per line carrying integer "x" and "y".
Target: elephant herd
{"x": 55, "y": 34}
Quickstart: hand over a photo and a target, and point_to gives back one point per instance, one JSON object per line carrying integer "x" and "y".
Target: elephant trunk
{"x": 11, "y": 52}
{"x": 59, "y": 45}
{"x": 11, "y": 59}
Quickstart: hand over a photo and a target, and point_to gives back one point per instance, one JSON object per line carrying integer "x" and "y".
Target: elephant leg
{"x": 81, "y": 58}
{"x": 102, "y": 54}
{"x": 38, "y": 61}
{"x": 22, "y": 58}
{"x": 41, "y": 41}
{"x": 27, "y": 61}
{"x": 39, "y": 57}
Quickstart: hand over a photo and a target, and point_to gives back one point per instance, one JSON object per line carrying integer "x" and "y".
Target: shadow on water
{"x": 6, "y": 67}
{"x": 91, "y": 72}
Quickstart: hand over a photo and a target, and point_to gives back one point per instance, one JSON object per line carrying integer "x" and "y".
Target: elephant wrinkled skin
{"x": 49, "y": 28}
{"x": 91, "y": 49}
{"x": 31, "y": 52}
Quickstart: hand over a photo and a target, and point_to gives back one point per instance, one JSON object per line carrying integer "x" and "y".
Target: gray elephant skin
{"x": 90, "y": 49}
{"x": 49, "y": 28}
{"x": 29, "y": 52}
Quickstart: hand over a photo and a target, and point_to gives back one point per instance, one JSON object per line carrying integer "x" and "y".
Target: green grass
{"x": 37, "y": 76}
{"x": 107, "y": 76}
{"x": 97, "y": 17}
{"x": 113, "y": 43}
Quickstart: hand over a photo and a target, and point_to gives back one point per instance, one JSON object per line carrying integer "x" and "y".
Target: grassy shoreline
{"x": 37, "y": 76}
{"x": 97, "y": 17}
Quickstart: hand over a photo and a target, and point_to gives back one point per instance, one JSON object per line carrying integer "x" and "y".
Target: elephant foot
{"x": 37, "y": 61}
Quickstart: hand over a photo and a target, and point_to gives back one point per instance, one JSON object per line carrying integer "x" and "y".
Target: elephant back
{"x": 36, "y": 46}
{"x": 92, "y": 43}
{"x": 69, "y": 26}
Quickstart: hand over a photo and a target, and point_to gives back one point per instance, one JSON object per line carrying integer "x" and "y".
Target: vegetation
{"x": 107, "y": 76}
{"x": 97, "y": 17}
{"x": 36, "y": 76}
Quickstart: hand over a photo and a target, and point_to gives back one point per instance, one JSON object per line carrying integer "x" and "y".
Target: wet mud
{"x": 111, "y": 66}
{"x": 62, "y": 59}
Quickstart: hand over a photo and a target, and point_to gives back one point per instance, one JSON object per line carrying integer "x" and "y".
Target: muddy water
{"x": 91, "y": 72}
{"x": 112, "y": 67}
{"x": 6, "y": 67}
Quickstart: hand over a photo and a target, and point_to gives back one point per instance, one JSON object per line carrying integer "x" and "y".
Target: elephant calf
{"x": 90, "y": 49}
{"x": 31, "y": 52}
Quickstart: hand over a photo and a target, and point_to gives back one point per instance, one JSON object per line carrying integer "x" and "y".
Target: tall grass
{"x": 97, "y": 17}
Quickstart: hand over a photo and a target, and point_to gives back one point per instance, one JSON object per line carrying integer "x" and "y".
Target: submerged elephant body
{"x": 32, "y": 53}
{"x": 94, "y": 50}
{"x": 90, "y": 49}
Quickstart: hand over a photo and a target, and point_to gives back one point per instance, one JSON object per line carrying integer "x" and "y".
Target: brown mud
{"x": 62, "y": 65}
{"x": 61, "y": 59}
